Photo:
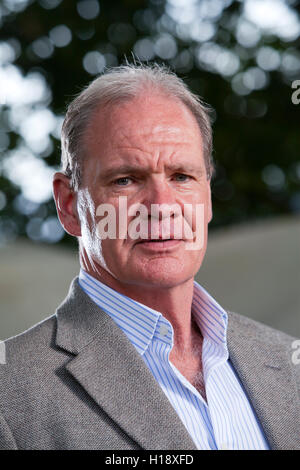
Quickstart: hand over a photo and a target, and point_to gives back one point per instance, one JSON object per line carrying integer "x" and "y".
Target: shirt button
{"x": 163, "y": 330}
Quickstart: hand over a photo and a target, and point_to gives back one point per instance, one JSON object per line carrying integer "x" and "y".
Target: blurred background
{"x": 242, "y": 57}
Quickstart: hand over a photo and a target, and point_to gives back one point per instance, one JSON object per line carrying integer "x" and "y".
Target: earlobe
{"x": 65, "y": 200}
{"x": 209, "y": 205}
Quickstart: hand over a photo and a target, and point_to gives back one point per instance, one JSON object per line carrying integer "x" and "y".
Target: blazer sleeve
{"x": 7, "y": 441}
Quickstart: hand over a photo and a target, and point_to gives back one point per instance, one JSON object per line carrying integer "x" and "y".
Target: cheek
{"x": 86, "y": 211}
{"x": 86, "y": 233}
{"x": 116, "y": 252}
{"x": 202, "y": 211}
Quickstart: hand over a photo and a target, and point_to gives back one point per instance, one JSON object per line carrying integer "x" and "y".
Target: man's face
{"x": 148, "y": 150}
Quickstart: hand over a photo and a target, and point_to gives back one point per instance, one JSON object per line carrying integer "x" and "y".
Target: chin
{"x": 164, "y": 273}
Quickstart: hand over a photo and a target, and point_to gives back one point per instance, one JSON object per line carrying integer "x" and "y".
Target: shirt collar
{"x": 211, "y": 318}
{"x": 142, "y": 324}
{"x": 136, "y": 320}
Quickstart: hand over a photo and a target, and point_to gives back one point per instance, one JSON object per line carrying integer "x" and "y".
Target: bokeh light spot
{"x": 43, "y": 47}
{"x": 144, "y": 49}
{"x": 88, "y": 9}
{"x": 165, "y": 46}
{"x": 268, "y": 58}
{"x": 94, "y": 62}
{"x": 60, "y": 35}
{"x": 273, "y": 176}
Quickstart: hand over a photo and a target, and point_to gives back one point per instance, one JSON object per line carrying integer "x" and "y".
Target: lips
{"x": 155, "y": 240}
{"x": 159, "y": 245}
{"x": 159, "y": 239}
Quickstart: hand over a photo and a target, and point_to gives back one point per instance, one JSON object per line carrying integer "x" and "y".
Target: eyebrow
{"x": 120, "y": 170}
{"x": 182, "y": 168}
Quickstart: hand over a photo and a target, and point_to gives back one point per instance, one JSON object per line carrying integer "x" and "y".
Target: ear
{"x": 66, "y": 204}
{"x": 209, "y": 203}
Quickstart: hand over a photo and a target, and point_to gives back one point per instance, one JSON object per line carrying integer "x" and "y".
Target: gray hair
{"x": 119, "y": 84}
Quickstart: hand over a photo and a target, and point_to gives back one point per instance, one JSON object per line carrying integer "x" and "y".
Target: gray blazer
{"x": 74, "y": 381}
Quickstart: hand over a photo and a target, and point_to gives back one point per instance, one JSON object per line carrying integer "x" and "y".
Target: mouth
{"x": 159, "y": 244}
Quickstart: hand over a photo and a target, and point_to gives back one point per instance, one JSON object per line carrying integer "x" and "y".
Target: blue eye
{"x": 181, "y": 177}
{"x": 123, "y": 181}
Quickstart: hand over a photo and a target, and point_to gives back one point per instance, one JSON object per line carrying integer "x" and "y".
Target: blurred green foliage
{"x": 242, "y": 67}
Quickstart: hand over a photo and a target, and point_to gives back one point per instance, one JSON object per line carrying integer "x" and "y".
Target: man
{"x": 139, "y": 356}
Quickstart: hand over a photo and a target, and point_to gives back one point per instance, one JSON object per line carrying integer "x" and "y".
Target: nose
{"x": 164, "y": 212}
{"x": 160, "y": 199}
{"x": 158, "y": 192}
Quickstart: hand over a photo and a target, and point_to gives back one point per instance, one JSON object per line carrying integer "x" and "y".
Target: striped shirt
{"x": 226, "y": 419}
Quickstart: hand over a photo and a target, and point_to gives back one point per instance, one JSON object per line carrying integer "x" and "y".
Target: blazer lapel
{"x": 110, "y": 369}
{"x": 267, "y": 376}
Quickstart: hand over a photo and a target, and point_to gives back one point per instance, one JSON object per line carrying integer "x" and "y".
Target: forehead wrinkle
{"x": 158, "y": 134}
{"x": 167, "y": 153}
{"x": 136, "y": 125}
{"x": 156, "y": 146}
{"x": 154, "y": 160}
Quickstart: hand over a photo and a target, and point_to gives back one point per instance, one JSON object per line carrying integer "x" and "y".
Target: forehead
{"x": 157, "y": 117}
{"x": 152, "y": 132}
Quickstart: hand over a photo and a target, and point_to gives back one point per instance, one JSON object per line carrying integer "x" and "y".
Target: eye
{"x": 124, "y": 181}
{"x": 181, "y": 177}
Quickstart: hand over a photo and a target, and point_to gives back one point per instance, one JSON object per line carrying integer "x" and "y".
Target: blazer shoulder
{"x": 247, "y": 326}
{"x": 28, "y": 352}
{"x": 37, "y": 335}
{"x": 270, "y": 339}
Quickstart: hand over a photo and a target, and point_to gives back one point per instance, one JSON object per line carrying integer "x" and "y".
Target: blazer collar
{"x": 104, "y": 361}
{"x": 266, "y": 373}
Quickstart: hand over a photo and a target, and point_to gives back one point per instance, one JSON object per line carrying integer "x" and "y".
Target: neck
{"x": 173, "y": 302}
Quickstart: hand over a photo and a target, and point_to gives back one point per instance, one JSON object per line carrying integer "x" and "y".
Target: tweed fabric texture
{"x": 74, "y": 381}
